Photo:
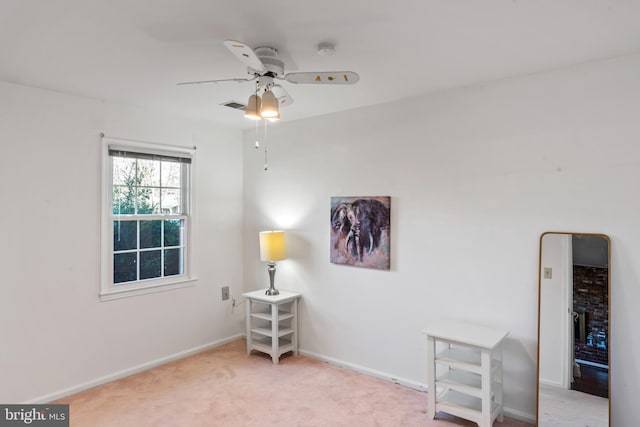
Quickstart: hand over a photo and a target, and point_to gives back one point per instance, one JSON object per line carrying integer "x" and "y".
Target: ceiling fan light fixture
{"x": 274, "y": 118}
{"x": 263, "y": 67}
{"x": 253, "y": 108}
{"x": 269, "y": 108}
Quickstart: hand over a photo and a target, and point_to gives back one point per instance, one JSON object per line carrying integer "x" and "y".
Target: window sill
{"x": 112, "y": 294}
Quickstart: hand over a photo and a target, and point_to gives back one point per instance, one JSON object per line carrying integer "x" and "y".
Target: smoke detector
{"x": 326, "y": 49}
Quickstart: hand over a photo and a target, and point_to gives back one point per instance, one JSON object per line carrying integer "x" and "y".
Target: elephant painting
{"x": 360, "y": 229}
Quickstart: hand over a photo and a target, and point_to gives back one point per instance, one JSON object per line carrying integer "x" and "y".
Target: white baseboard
{"x": 511, "y": 413}
{"x": 129, "y": 371}
{"x": 552, "y": 383}
{"x": 364, "y": 370}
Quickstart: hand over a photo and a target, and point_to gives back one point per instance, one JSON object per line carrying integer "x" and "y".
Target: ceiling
{"x": 135, "y": 51}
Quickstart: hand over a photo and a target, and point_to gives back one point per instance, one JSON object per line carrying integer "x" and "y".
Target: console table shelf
{"x": 465, "y": 378}
{"x": 269, "y": 333}
{"x": 266, "y": 315}
{"x": 273, "y": 331}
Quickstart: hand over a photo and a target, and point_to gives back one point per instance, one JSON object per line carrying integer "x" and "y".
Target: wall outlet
{"x": 225, "y": 293}
{"x": 547, "y": 273}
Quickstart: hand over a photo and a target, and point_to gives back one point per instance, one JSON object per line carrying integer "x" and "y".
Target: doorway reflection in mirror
{"x": 573, "y": 328}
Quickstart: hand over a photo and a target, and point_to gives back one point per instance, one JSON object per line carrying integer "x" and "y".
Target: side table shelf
{"x": 272, "y": 323}
{"x": 465, "y": 371}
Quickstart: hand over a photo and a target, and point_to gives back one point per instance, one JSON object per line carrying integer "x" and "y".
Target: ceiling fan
{"x": 265, "y": 68}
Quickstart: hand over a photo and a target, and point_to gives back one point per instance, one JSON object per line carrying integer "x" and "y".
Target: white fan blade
{"x": 332, "y": 78}
{"x": 245, "y": 54}
{"x": 284, "y": 99}
{"x": 215, "y": 81}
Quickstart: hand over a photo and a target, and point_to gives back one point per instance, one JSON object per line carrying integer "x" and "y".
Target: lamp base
{"x": 272, "y": 273}
{"x": 272, "y": 292}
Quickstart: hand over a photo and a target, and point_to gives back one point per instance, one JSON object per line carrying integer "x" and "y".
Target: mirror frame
{"x": 608, "y": 239}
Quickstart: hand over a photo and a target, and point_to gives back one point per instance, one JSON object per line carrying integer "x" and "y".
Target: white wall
{"x": 475, "y": 176}
{"x": 55, "y": 334}
{"x": 554, "y": 342}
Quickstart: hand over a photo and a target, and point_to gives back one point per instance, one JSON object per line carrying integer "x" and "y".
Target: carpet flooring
{"x": 226, "y": 387}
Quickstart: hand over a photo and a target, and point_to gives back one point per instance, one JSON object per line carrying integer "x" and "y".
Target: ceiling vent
{"x": 235, "y": 105}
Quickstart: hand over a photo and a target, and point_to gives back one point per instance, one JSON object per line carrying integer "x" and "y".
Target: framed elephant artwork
{"x": 360, "y": 231}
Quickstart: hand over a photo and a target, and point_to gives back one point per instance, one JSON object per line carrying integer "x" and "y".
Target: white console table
{"x": 465, "y": 371}
{"x": 272, "y": 323}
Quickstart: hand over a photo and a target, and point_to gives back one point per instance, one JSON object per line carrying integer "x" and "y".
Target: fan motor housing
{"x": 272, "y": 65}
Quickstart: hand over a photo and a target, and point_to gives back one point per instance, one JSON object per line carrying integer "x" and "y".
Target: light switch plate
{"x": 547, "y": 273}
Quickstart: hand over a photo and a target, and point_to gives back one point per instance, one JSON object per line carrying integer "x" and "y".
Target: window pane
{"x": 124, "y": 171}
{"x": 125, "y": 235}
{"x": 173, "y": 232}
{"x": 150, "y": 264}
{"x": 172, "y": 262}
{"x": 150, "y": 234}
{"x": 148, "y": 173}
{"x": 123, "y": 200}
{"x": 148, "y": 200}
{"x": 124, "y": 267}
{"x": 171, "y": 175}
{"x": 171, "y": 201}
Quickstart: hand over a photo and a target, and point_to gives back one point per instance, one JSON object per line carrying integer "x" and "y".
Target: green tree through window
{"x": 148, "y": 217}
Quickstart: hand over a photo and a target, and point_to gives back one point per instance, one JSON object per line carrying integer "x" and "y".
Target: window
{"x": 146, "y": 218}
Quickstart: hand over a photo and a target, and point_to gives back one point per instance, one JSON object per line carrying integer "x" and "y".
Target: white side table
{"x": 465, "y": 378}
{"x": 272, "y": 323}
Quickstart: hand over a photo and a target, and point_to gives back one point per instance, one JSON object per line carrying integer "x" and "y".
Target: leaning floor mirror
{"x": 573, "y": 330}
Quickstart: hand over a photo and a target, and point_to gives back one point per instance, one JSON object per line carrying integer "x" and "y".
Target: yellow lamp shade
{"x": 272, "y": 246}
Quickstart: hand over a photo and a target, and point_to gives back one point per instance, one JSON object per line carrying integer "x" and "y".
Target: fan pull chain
{"x": 265, "y": 145}
{"x": 257, "y": 145}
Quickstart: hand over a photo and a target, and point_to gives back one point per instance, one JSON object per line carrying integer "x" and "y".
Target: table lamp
{"x": 272, "y": 249}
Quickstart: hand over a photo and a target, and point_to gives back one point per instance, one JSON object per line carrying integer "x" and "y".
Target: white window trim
{"x": 109, "y": 291}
